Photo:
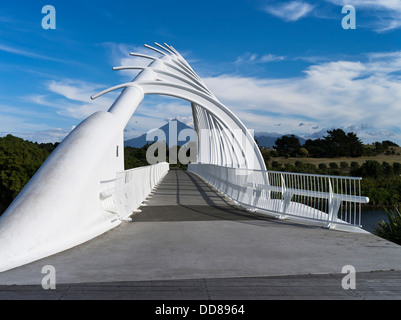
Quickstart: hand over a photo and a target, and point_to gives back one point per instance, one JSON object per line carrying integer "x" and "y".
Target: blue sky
{"x": 281, "y": 66}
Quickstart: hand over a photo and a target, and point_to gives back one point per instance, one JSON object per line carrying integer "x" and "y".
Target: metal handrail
{"x": 333, "y": 200}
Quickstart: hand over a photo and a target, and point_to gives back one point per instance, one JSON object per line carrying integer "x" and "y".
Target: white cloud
{"x": 188, "y": 120}
{"x": 72, "y": 98}
{"x": 12, "y": 118}
{"x": 45, "y": 136}
{"x": 72, "y": 90}
{"x": 271, "y": 57}
{"x": 331, "y": 94}
{"x": 8, "y": 123}
{"x": 386, "y": 13}
{"x": 67, "y": 98}
{"x": 290, "y": 11}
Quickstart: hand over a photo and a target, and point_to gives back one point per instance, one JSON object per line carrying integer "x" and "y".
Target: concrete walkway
{"x": 189, "y": 243}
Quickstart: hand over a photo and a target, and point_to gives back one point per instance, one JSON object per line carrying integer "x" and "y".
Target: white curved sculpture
{"x": 60, "y": 207}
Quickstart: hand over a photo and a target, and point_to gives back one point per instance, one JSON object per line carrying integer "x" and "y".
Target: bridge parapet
{"x": 330, "y": 201}
{"x": 128, "y": 191}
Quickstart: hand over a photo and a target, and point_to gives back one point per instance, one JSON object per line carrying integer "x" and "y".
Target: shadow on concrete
{"x": 212, "y": 207}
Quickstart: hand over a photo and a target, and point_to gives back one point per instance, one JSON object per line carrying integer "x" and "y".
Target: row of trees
{"x": 381, "y": 181}
{"x": 337, "y": 143}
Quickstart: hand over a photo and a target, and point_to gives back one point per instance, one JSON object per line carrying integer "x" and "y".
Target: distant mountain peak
{"x": 140, "y": 141}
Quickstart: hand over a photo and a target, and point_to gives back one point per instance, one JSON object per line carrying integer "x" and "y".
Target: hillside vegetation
{"x": 378, "y": 164}
{"x": 19, "y": 160}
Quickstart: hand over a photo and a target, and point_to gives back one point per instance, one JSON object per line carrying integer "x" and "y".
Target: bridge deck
{"x": 189, "y": 243}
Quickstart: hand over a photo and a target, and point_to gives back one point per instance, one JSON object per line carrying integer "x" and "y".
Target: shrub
{"x": 333, "y": 165}
{"x": 276, "y": 165}
{"x": 397, "y": 167}
{"x": 298, "y": 164}
{"x": 354, "y": 165}
{"x": 274, "y": 153}
{"x": 391, "y": 230}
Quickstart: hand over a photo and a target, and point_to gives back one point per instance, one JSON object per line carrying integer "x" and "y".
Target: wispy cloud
{"x": 379, "y": 15}
{"x": 386, "y": 14}
{"x": 27, "y": 53}
{"x": 256, "y": 58}
{"x": 73, "y": 89}
{"x": 290, "y": 11}
{"x": 71, "y": 98}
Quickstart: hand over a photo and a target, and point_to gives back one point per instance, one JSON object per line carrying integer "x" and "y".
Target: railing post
{"x": 286, "y": 198}
{"x": 334, "y": 205}
{"x": 311, "y": 197}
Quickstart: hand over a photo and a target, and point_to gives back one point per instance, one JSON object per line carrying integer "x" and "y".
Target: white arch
{"x": 167, "y": 76}
{"x": 60, "y": 207}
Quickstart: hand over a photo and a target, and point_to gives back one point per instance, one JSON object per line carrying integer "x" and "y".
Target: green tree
{"x": 370, "y": 168}
{"x": 316, "y": 148}
{"x": 288, "y": 145}
{"x": 397, "y": 168}
{"x": 135, "y": 157}
{"x": 19, "y": 160}
{"x": 387, "y": 169}
{"x": 341, "y": 144}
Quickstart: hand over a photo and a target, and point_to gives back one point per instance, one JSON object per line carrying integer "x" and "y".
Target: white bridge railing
{"x": 127, "y": 192}
{"x": 329, "y": 200}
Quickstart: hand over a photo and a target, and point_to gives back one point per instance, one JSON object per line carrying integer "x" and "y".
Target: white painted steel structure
{"x": 82, "y": 190}
{"x": 67, "y": 202}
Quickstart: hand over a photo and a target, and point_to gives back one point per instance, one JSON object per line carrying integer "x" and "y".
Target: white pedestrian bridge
{"x": 83, "y": 190}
